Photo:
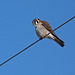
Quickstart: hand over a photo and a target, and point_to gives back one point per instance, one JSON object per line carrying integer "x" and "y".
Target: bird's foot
{"x": 42, "y": 37}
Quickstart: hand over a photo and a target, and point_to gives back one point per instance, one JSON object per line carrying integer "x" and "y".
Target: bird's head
{"x": 35, "y": 21}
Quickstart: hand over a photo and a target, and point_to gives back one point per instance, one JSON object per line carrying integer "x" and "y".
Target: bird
{"x": 43, "y": 28}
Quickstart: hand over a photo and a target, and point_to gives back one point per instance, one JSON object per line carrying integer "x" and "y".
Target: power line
{"x": 34, "y": 42}
{"x": 62, "y": 24}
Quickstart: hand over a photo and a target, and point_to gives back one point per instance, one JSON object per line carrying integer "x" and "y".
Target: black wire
{"x": 61, "y": 25}
{"x": 34, "y": 43}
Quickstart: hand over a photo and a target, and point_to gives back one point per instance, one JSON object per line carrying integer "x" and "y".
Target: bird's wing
{"x": 46, "y": 25}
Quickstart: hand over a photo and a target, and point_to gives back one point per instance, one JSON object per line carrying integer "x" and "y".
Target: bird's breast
{"x": 41, "y": 30}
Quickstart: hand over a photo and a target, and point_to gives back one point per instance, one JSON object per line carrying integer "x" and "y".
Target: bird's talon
{"x": 42, "y": 37}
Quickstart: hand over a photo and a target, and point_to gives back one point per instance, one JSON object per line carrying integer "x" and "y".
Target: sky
{"x": 17, "y": 32}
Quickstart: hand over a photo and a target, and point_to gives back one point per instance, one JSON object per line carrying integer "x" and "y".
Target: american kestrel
{"x": 43, "y": 28}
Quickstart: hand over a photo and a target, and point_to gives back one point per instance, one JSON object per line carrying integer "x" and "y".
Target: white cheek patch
{"x": 36, "y": 22}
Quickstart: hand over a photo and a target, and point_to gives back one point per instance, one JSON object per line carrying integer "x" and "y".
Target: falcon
{"x": 43, "y": 28}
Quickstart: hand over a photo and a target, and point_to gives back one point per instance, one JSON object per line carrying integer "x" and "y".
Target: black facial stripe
{"x": 37, "y": 22}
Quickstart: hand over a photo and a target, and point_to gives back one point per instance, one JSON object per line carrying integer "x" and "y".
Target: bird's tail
{"x": 60, "y": 42}
{"x": 56, "y": 39}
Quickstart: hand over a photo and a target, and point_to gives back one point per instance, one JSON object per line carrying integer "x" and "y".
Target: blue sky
{"x": 17, "y": 32}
